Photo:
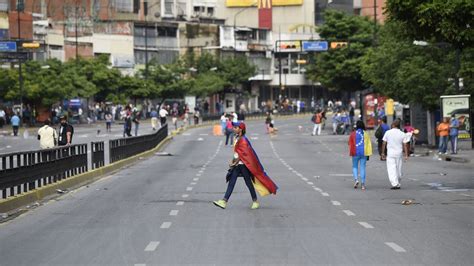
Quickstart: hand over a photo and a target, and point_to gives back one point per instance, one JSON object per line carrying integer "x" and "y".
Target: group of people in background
{"x": 448, "y": 130}
{"x": 393, "y": 148}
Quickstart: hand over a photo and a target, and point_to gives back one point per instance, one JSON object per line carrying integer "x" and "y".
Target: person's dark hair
{"x": 360, "y": 125}
{"x": 47, "y": 122}
{"x": 384, "y": 119}
{"x": 396, "y": 123}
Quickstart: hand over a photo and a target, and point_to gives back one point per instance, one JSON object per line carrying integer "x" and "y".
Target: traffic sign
{"x": 315, "y": 46}
{"x": 8, "y": 47}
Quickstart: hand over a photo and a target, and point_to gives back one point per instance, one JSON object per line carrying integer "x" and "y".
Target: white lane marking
{"x": 254, "y": 138}
{"x": 185, "y": 196}
{"x": 340, "y": 174}
{"x": 140, "y": 264}
{"x": 180, "y": 203}
{"x": 395, "y": 247}
{"x": 465, "y": 195}
{"x": 336, "y": 203}
{"x": 189, "y": 188}
{"x": 152, "y": 246}
{"x": 174, "y": 212}
{"x": 186, "y": 134}
{"x": 325, "y": 194}
{"x": 165, "y": 225}
{"x": 304, "y": 178}
{"x": 196, "y": 179}
{"x": 318, "y": 189}
{"x": 289, "y": 168}
{"x": 200, "y": 171}
{"x": 255, "y": 134}
{"x": 193, "y": 183}
{"x": 198, "y": 174}
{"x": 200, "y": 139}
{"x": 348, "y": 213}
{"x": 366, "y": 225}
{"x": 204, "y": 134}
{"x": 310, "y": 183}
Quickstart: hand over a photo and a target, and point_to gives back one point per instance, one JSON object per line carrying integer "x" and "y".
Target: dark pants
{"x": 229, "y": 134}
{"x": 240, "y": 170}
{"x": 163, "y": 121}
{"x": 15, "y": 130}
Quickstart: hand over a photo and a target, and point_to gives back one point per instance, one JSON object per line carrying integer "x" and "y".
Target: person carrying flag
{"x": 360, "y": 148}
{"x": 245, "y": 163}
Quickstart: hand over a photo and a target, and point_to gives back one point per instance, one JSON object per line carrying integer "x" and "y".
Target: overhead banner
{"x": 247, "y": 3}
{"x": 458, "y": 105}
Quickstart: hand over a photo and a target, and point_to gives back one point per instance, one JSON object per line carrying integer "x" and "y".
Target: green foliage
{"x": 405, "y": 72}
{"x": 441, "y": 20}
{"x": 339, "y": 69}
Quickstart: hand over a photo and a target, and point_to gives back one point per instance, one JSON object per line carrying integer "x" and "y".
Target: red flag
{"x": 248, "y": 156}
{"x": 265, "y": 14}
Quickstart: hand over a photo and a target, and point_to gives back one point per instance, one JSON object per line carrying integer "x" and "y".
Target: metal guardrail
{"x": 126, "y": 147}
{"x": 24, "y": 171}
{"x": 97, "y": 154}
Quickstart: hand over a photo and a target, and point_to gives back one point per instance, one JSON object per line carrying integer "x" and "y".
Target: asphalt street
{"x": 159, "y": 211}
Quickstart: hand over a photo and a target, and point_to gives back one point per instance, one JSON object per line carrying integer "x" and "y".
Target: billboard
{"x": 247, "y": 3}
{"x": 458, "y": 105}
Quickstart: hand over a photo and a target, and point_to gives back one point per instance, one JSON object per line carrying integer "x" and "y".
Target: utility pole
{"x": 77, "y": 43}
{"x": 20, "y": 6}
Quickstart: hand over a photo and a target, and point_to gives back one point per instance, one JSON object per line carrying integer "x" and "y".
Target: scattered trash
{"x": 443, "y": 174}
{"x": 163, "y": 153}
{"x": 407, "y": 202}
{"x": 106, "y": 188}
{"x": 37, "y": 204}
{"x": 4, "y": 215}
{"x": 60, "y": 191}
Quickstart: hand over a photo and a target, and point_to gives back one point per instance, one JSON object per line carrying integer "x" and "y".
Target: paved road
{"x": 159, "y": 210}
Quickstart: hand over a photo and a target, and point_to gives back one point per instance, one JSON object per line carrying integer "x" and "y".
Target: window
{"x": 3, "y": 5}
{"x": 210, "y": 11}
{"x": 124, "y": 5}
{"x": 262, "y": 35}
{"x": 169, "y": 7}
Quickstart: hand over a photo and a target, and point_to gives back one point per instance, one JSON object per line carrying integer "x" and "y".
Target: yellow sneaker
{"x": 255, "y": 205}
{"x": 220, "y": 203}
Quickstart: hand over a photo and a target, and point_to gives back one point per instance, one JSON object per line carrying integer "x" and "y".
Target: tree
{"x": 339, "y": 69}
{"x": 441, "y": 20}
{"x": 405, "y": 72}
{"x": 236, "y": 70}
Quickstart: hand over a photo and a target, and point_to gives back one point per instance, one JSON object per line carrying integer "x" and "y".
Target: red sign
{"x": 265, "y": 14}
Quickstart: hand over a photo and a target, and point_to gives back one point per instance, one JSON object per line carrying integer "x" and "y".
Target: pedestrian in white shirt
{"x": 47, "y": 136}
{"x": 162, "y": 113}
{"x": 394, "y": 140}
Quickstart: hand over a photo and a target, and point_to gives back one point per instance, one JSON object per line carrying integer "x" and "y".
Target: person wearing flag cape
{"x": 245, "y": 163}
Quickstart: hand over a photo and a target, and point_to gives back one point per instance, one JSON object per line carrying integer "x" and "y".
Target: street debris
{"x": 60, "y": 191}
{"x": 163, "y": 153}
{"x": 407, "y": 202}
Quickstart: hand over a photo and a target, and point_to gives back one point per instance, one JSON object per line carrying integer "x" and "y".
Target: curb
{"x": 15, "y": 202}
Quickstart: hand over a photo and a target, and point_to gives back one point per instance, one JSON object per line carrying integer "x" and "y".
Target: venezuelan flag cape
{"x": 262, "y": 182}
{"x": 359, "y": 143}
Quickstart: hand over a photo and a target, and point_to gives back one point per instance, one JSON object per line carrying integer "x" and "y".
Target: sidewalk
{"x": 465, "y": 153}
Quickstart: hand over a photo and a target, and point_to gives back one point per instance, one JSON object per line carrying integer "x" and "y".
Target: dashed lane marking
{"x": 196, "y": 179}
{"x": 174, "y": 212}
{"x": 189, "y": 188}
{"x": 366, "y": 225}
{"x": 185, "y": 196}
{"x": 349, "y": 213}
{"x": 395, "y": 247}
{"x": 335, "y": 203}
{"x": 310, "y": 183}
{"x": 152, "y": 246}
{"x": 304, "y": 179}
{"x": 340, "y": 174}
{"x": 204, "y": 134}
{"x": 165, "y": 225}
{"x": 193, "y": 183}
{"x": 180, "y": 203}
{"x": 325, "y": 194}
